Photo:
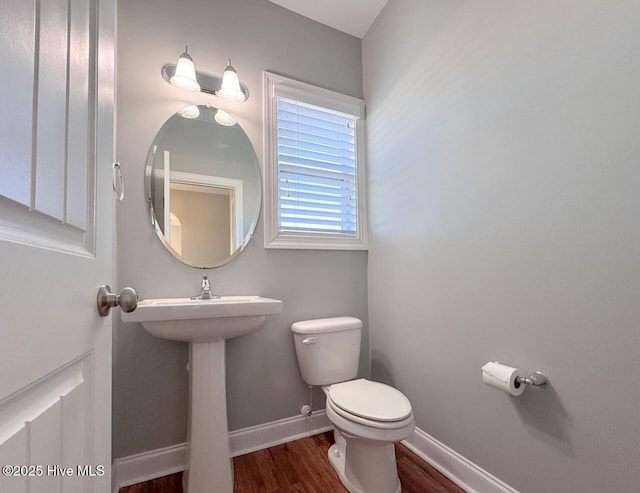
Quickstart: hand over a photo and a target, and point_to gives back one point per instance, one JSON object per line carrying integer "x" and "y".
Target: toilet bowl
{"x": 369, "y": 417}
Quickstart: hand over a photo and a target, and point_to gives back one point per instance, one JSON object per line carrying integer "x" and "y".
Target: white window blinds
{"x": 317, "y": 182}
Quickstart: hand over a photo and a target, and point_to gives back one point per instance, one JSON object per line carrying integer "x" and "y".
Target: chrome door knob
{"x": 127, "y": 300}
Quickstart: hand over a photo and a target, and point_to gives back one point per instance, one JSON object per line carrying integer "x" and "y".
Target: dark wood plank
{"x": 302, "y": 467}
{"x": 308, "y": 457}
{"x": 417, "y": 476}
{"x": 166, "y": 484}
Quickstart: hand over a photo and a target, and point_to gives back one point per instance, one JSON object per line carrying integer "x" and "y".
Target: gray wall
{"x": 263, "y": 382}
{"x": 504, "y": 174}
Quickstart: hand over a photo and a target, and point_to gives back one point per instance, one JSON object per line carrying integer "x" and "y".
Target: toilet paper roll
{"x": 502, "y": 377}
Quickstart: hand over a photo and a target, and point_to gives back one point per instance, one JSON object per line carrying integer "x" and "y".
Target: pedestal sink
{"x": 205, "y": 325}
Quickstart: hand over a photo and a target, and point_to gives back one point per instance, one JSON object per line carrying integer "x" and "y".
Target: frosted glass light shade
{"x": 224, "y": 118}
{"x": 190, "y": 112}
{"x": 230, "y": 89}
{"x": 185, "y": 76}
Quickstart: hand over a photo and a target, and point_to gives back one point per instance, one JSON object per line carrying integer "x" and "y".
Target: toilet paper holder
{"x": 536, "y": 379}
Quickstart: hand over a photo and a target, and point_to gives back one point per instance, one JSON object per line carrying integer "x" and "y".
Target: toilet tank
{"x": 328, "y": 349}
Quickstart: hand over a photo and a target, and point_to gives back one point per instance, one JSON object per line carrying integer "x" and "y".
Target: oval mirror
{"x": 203, "y": 186}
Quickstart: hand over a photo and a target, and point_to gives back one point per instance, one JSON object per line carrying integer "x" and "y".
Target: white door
{"x": 56, "y": 221}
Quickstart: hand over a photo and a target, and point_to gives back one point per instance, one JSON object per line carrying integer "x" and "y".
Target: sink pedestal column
{"x": 209, "y": 459}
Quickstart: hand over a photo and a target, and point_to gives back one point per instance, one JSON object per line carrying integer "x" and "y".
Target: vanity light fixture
{"x": 184, "y": 76}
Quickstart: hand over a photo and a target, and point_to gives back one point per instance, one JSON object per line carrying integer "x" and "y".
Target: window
{"x": 314, "y": 167}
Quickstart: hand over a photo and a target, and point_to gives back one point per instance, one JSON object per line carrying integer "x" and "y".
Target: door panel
{"x": 48, "y": 136}
{"x": 56, "y": 244}
{"x": 46, "y": 424}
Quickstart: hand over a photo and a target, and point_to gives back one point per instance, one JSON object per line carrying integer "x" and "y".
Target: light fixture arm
{"x": 208, "y": 83}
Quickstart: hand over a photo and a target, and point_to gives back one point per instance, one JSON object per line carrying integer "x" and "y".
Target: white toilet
{"x": 368, "y": 416}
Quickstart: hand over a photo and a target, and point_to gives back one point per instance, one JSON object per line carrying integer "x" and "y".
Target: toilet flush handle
{"x": 309, "y": 340}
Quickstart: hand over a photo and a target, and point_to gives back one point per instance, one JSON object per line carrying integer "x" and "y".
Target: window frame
{"x": 274, "y": 86}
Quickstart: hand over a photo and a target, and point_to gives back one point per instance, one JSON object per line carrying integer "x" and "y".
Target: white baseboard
{"x": 463, "y": 472}
{"x": 169, "y": 460}
{"x": 282, "y": 431}
{"x": 147, "y": 465}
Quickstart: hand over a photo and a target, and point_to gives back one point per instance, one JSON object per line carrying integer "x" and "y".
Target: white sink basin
{"x": 184, "y": 319}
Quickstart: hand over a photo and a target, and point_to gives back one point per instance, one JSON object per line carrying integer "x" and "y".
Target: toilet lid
{"x": 370, "y": 400}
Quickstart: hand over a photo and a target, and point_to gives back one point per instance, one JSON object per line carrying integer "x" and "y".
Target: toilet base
{"x": 369, "y": 467}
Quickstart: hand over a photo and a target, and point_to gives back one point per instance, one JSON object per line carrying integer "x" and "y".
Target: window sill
{"x": 310, "y": 242}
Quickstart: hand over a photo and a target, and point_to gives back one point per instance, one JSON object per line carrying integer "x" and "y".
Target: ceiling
{"x": 350, "y": 16}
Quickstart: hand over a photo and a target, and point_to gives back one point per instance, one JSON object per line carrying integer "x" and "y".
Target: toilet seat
{"x": 370, "y": 403}
{"x": 368, "y": 423}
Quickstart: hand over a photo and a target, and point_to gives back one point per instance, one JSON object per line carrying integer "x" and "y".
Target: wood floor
{"x": 302, "y": 466}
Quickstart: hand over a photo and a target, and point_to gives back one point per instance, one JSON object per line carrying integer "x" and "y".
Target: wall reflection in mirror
{"x": 203, "y": 186}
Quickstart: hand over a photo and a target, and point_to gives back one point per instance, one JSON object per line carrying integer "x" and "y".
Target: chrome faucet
{"x": 206, "y": 291}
